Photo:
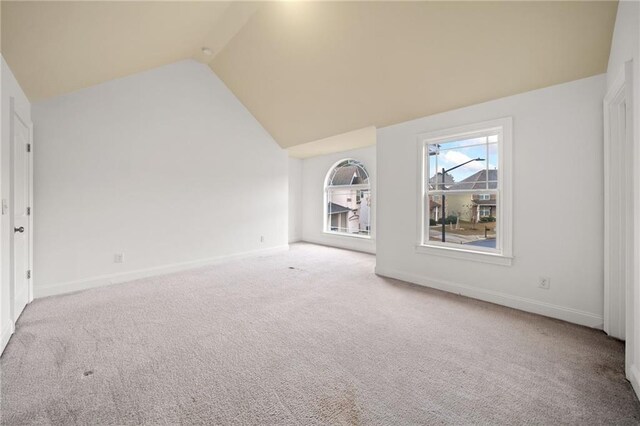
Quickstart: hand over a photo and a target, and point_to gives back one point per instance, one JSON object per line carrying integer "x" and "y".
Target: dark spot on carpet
{"x": 87, "y": 373}
{"x": 291, "y": 267}
{"x": 614, "y": 372}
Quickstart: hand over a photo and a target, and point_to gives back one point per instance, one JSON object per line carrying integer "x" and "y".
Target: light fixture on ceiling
{"x": 207, "y": 51}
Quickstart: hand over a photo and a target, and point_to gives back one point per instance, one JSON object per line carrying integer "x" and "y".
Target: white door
{"x": 21, "y": 209}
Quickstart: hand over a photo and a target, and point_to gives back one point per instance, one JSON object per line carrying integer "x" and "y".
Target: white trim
{"x": 504, "y": 126}
{"x": 348, "y": 235}
{"x": 343, "y": 244}
{"x": 463, "y": 254}
{"x": 31, "y": 235}
{"x": 634, "y": 378}
{"x": 364, "y": 245}
{"x": 575, "y": 316}
{"x": 618, "y": 205}
{"x": 103, "y": 280}
{"x": 5, "y": 335}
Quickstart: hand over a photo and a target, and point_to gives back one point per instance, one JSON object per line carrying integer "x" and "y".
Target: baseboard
{"x": 369, "y": 246}
{"x": 634, "y": 378}
{"x": 99, "y": 281}
{"x": 524, "y": 304}
{"x": 5, "y": 335}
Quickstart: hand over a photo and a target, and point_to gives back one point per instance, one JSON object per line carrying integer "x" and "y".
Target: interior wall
{"x": 8, "y": 89}
{"x": 314, "y": 172}
{"x": 625, "y": 47}
{"x": 557, "y": 204}
{"x": 295, "y": 200}
{"x": 166, "y": 167}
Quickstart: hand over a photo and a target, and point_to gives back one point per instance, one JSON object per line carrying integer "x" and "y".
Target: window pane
{"x": 348, "y": 211}
{"x": 349, "y": 172}
{"x": 463, "y": 142}
{"x": 470, "y": 219}
{"x": 461, "y": 164}
{"x": 468, "y": 164}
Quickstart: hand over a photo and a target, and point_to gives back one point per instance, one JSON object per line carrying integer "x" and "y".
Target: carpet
{"x": 311, "y": 336}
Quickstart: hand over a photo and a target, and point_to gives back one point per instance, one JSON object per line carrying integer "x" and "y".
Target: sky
{"x": 453, "y": 153}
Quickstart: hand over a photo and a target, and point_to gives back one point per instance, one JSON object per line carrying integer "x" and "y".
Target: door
{"x": 21, "y": 211}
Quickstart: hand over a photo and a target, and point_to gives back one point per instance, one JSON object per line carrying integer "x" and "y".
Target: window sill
{"x": 462, "y": 254}
{"x": 343, "y": 234}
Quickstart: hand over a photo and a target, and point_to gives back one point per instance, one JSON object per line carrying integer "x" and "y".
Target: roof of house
{"x": 478, "y": 180}
{"x": 436, "y": 180}
{"x": 350, "y": 174}
{"x": 334, "y": 208}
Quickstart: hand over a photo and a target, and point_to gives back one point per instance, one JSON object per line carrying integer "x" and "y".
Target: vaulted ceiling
{"x": 57, "y": 47}
{"x": 312, "y": 70}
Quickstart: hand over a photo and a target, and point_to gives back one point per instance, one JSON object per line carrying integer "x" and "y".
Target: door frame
{"x": 620, "y": 247}
{"x": 17, "y": 114}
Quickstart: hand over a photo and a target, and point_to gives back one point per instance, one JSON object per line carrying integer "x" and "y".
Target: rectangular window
{"x": 466, "y": 190}
{"x": 485, "y": 211}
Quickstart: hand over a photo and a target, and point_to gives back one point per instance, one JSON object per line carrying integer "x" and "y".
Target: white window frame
{"x": 484, "y": 197}
{"x": 326, "y": 226}
{"x": 504, "y": 255}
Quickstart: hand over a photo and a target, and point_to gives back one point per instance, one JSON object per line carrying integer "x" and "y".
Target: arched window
{"x": 348, "y": 199}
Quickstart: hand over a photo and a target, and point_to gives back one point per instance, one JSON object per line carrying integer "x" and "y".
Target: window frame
{"x": 326, "y": 226}
{"x": 502, "y": 256}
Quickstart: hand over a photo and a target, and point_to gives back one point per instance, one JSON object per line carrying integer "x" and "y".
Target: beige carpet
{"x": 311, "y": 336}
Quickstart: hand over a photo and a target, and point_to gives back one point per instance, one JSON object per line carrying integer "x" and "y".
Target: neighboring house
{"x": 469, "y": 207}
{"x": 435, "y": 182}
{"x": 338, "y": 216}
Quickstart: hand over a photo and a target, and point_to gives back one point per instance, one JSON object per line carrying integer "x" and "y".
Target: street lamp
{"x": 444, "y": 216}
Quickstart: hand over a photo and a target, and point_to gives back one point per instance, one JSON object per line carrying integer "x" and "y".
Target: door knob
{"x": 21, "y": 229}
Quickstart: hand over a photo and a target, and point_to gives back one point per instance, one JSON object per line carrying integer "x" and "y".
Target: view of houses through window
{"x": 462, "y": 192}
{"x": 348, "y": 199}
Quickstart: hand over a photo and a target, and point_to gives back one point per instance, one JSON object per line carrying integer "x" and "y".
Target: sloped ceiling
{"x": 311, "y": 70}
{"x": 57, "y": 47}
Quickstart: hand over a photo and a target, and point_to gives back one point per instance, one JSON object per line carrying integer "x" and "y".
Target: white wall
{"x": 295, "y": 200}
{"x": 314, "y": 172}
{"x": 165, "y": 166}
{"x": 558, "y": 204}
{"x": 9, "y": 88}
{"x": 625, "y": 46}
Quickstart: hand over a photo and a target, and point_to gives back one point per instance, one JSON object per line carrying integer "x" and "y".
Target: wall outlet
{"x": 262, "y": 238}
{"x": 118, "y": 258}
{"x": 544, "y": 282}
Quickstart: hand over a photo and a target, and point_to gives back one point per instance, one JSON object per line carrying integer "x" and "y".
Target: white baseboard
{"x": 102, "y": 280}
{"x": 338, "y": 241}
{"x": 524, "y": 304}
{"x": 634, "y": 378}
{"x": 5, "y": 335}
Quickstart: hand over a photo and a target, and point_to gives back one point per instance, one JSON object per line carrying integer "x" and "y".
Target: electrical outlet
{"x": 262, "y": 238}
{"x": 118, "y": 258}
{"x": 544, "y": 282}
